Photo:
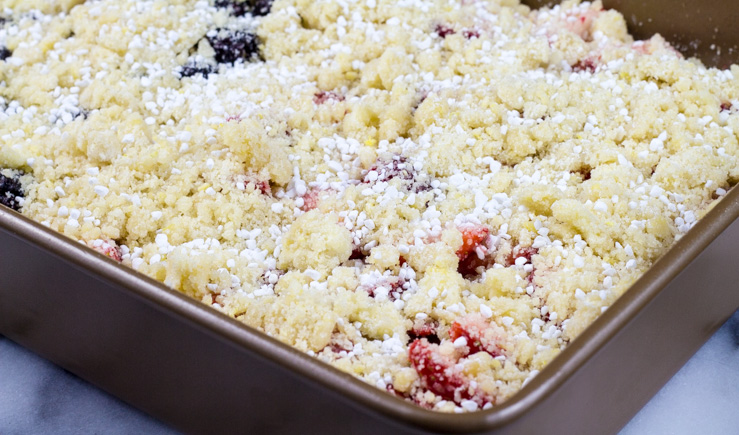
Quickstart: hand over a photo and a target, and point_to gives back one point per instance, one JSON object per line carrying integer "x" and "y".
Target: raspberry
{"x": 325, "y": 96}
{"x": 393, "y": 285}
{"x": 109, "y": 248}
{"x": 233, "y": 45}
{"x": 5, "y": 53}
{"x": 589, "y": 64}
{"x": 472, "y": 253}
{"x": 437, "y": 372}
{"x": 192, "y": 68}
{"x": 424, "y": 329}
{"x": 358, "y": 254}
{"x": 582, "y": 25}
{"x": 11, "y": 191}
{"x": 473, "y": 239}
{"x": 523, "y": 252}
{"x": 256, "y": 183}
{"x": 311, "y": 200}
{"x": 443, "y": 30}
{"x": 340, "y": 343}
{"x": 470, "y": 33}
{"x": 519, "y": 252}
{"x": 480, "y": 334}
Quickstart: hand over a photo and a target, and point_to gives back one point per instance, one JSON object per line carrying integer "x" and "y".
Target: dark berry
{"x": 233, "y": 45}
{"x": 235, "y": 8}
{"x": 585, "y": 172}
{"x": 11, "y": 191}
{"x": 358, "y": 254}
{"x": 240, "y": 8}
{"x": 5, "y": 53}
{"x": 396, "y": 167}
{"x": 83, "y": 113}
{"x": 420, "y": 98}
{"x": 260, "y": 8}
{"x": 193, "y": 68}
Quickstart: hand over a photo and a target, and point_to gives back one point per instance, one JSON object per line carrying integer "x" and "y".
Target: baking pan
{"x": 203, "y": 372}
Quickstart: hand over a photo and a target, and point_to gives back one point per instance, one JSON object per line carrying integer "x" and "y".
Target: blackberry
{"x": 192, "y": 68}
{"x": 11, "y": 190}
{"x": 237, "y": 8}
{"x": 396, "y": 167}
{"x": 232, "y": 45}
{"x": 261, "y": 8}
{"x": 84, "y": 114}
{"x": 5, "y": 53}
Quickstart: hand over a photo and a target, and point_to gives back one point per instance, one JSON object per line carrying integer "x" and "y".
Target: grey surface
{"x": 36, "y": 397}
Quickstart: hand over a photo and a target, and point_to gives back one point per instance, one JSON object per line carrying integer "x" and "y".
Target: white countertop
{"x": 37, "y": 397}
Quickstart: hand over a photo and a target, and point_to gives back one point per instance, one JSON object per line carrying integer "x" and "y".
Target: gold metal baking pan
{"x": 203, "y": 372}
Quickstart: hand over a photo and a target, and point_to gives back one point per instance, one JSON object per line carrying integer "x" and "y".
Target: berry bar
{"x": 435, "y": 196}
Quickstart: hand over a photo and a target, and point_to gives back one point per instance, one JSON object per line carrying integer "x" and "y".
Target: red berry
{"x": 473, "y": 238}
{"x": 311, "y": 200}
{"x": 256, "y": 182}
{"x": 481, "y": 336}
{"x": 589, "y": 64}
{"x": 443, "y": 30}
{"x": 326, "y": 96}
{"x": 425, "y": 329}
{"x": 470, "y": 33}
{"x": 393, "y": 284}
{"x": 110, "y": 249}
{"x": 437, "y": 372}
{"x": 521, "y": 252}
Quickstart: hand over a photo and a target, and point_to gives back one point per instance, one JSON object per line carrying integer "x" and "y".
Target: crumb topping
{"x": 435, "y": 196}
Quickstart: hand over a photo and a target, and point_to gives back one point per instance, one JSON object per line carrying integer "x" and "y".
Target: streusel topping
{"x": 435, "y": 196}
